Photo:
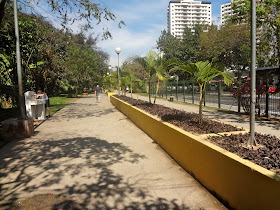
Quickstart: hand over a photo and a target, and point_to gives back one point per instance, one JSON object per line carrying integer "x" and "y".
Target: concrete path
{"x": 92, "y": 156}
{"x": 262, "y": 126}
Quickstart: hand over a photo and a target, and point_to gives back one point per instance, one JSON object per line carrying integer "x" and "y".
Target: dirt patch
{"x": 45, "y": 202}
{"x": 266, "y": 155}
{"x": 185, "y": 120}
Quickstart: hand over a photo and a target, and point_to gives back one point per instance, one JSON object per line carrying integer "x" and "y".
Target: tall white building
{"x": 187, "y": 13}
{"x": 226, "y": 11}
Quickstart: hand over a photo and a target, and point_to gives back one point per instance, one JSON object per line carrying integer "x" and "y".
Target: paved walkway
{"x": 93, "y": 157}
{"x": 262, "y": 126}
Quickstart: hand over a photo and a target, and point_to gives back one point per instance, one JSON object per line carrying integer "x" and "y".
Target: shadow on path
{"x": 77, "y": 169}
{"x": 79, "y": 111}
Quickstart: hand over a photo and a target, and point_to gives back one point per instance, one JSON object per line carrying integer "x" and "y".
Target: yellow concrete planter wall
{"x": 110, "y": 94}
{"x": 239, "y": 183}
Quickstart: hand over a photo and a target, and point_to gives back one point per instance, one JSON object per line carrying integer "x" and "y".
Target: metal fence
{"x": 217, "y": 95}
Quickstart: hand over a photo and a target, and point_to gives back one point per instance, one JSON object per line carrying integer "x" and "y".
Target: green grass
{"x": 57, "y": 103}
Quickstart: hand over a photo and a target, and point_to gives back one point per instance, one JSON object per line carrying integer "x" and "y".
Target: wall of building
{"x": 187, "y": 13}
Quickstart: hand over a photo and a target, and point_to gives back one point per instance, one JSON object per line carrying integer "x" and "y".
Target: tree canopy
{"x": 52, "y": 59}
{"x": 268, "y": 24}
{"x": 68, "y": 11}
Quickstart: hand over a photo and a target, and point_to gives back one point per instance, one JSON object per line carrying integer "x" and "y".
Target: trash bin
{"x": 35, "y": 108}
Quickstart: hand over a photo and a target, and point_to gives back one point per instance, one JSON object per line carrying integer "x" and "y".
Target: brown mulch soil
{"x": 186, "y": 121}
{"x": 267, "y": 154}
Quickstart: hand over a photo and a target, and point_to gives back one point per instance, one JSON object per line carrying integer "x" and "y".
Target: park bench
{"x": 171, "y": 98}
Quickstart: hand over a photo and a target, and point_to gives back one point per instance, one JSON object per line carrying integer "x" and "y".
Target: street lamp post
{"x": 108, "y": 74}
{"x": 252, "y": 140}
{"x": 118, "y": 51}
{"x": 20, "y": 88}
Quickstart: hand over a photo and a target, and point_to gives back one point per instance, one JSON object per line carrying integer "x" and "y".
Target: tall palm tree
{"x": 203, "y": 73}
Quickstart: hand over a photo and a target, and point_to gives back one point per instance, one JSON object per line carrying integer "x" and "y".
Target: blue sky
{"x": 145, "y": 19}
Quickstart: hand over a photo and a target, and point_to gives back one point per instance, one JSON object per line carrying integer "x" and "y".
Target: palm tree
{"x": 152, "y": 64}
{"x": 131, "y": 80}
{"x": 161, "y": 71}
{"x": 203, "y": 73}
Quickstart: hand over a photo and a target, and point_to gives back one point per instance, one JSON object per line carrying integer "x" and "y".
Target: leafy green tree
{"x": 184, "y": 49}
{"x": 268, "y": 24}
{"x": 203, "y": 73}
{"x": 222, "y": 47}
{"x": 69, "y": 11}
{"x": 169, "y": 45}
{"x": 45, "y": 53}
{"x": 81, "y": 65}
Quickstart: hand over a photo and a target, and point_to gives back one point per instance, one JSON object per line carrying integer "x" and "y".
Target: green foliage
{"x": 5, "y": 71}
{"x": 268, "y": 23}
{"x": 203, "y": 73}
{"x": 67, "y": 12}
{"x": 54, "y": 60}
{"x": 150, "y": 63}
{"x": 184, "y": 49}
{"x": 222, "y": 47}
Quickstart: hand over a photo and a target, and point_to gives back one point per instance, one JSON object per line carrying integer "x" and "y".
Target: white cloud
{"x": 131, "y": 43}
{"x": 145, "y": 20}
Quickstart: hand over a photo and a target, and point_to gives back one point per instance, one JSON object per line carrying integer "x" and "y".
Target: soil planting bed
{"x": 267, "y": 154}
{"x": 186, "y": 121}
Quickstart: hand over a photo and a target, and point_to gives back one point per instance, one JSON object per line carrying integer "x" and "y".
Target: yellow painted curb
{"x": 238, "y": 182}
{"x": 111, "y": 94}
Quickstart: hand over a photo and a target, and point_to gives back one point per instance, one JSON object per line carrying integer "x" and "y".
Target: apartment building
{"x": 226, "y": 11}
{"x": 187, "y": 13}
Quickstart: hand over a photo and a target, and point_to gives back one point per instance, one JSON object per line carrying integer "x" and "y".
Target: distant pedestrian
{"x": 43, "y": 95}
{"x": 97, "y": 92}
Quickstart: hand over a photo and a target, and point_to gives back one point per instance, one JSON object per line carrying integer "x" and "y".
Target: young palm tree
{"x": 161, "y": 72}
{"x": 150, "y": 64}
{"x": 131, "y": 80}
{"x": 203, "y": 73}
{"x": 154, "y": 67}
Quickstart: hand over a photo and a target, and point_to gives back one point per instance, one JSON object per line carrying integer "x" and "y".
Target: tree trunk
{"x": 156, "y": 91}
{"x": 131, "y": 89}
{"x": 149, "y": 91}
{"x": 2, "y": 10}
{"x": 259, "y": 104}
{"x": 200, "y": 104}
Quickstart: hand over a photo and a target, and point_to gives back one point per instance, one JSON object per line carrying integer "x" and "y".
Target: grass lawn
{"x": 58, "y": 103}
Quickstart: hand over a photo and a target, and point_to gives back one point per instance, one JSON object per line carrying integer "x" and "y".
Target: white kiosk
{"x": 35, "y": 108}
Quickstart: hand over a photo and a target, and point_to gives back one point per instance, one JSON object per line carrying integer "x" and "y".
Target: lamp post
{"x": 108, "y": 74}
{"x": 252, "y": 140}
{"x": 20, "y": 88}
{"x": 118, "y": 51}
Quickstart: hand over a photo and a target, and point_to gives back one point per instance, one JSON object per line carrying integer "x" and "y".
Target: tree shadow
{"x": 79, "y": 111}
{"x": 78, "y": 169}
